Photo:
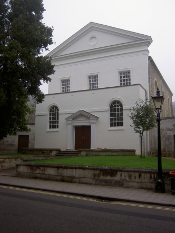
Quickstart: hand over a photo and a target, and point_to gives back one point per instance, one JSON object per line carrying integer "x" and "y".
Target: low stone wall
{"x": 8, "y": 161}
{"x": 83, "y": 152}
{"x": 99, "y": 151}
{"x": 41, "y": 151}
{"x": 121, "y": 177}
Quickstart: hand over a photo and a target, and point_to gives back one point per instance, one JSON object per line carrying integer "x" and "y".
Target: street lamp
{"x": 158, "y": 101}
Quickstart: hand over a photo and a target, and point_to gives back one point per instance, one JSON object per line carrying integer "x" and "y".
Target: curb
{"x": 90, "y": 195}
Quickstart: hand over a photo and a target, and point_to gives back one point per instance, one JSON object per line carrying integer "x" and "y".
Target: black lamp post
{"x": 158, "y": 101}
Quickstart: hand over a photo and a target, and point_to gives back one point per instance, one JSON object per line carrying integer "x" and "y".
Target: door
{"x": 23, "y": 142}
{"x": 82, "y": 137}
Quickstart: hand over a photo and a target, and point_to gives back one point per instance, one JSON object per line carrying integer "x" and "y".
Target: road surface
{"x": 31, "y": 211}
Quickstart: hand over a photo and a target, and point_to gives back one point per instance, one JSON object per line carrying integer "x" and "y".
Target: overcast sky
{"x": 155, "y": 18}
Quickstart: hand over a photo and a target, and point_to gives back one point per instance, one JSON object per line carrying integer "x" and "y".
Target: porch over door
{"x": 82, "y": 137}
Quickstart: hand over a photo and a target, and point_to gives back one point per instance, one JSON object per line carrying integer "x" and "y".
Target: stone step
{"x": 67, "y": 153}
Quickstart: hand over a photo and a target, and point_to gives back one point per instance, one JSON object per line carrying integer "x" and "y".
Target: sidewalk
{"x": 7, "y": 177}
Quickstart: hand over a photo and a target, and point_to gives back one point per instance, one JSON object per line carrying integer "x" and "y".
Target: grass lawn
{"x": 114, "y": 161}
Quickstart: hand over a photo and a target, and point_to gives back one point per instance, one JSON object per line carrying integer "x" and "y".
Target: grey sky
{"x": 155, "y": 18}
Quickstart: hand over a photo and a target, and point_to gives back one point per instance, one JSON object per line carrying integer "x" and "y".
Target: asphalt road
{"x": 27, "y": 211}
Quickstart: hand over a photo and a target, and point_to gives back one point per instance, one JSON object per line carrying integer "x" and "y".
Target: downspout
{"x": 146, "y": 147}
{"x": 145, "y": 141}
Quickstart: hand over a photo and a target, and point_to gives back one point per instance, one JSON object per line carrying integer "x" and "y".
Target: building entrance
{"x": 82, "y": 137}
{"x": 23, "y": 142}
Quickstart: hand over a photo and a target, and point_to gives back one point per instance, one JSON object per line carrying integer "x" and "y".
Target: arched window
{"x": 116, "y": 114}
{"x": 54, "y": 117}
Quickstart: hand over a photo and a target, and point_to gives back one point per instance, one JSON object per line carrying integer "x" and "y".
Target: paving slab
{"x": 8, "y": 177}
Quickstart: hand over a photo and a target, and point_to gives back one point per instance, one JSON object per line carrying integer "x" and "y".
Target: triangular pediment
{"x": 82, "y": 113}
{"x": 95, "y": 36}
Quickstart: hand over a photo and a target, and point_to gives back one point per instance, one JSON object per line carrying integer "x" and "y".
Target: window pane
{"x": 93, "y": 82}
{"x": 66, "y": 85}
{"x": 116, "y": 114}
{"x": 125, "y": 78}
{"x": 53, "y": 117}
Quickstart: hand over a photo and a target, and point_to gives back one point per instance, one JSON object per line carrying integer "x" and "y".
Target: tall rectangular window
{"x": 54, "y": 117}
{"x": 116, "y": 114}
{"x": 66, "y": 85}
{"x": 125, "y": 78}
{"x": 93, "y": 81}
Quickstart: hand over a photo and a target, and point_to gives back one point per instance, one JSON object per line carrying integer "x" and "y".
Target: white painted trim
{"x": 109, "y": 103}
{"x": 91, "y": 74}
{"x": 112, "y": 48}
{"x": 71, "y": 131}
{"x": 103, "y": 28}
{"x": 113, "y": 99}
{"x": 116, "y": 129}
{"x": 124, "y": 70}
{"x": 41, "y": 114}
{"x": 92, "y": 43}
{"x": 52, "y": 104}
{"x": 52, "y": 130}
{"x": 64, "y": 78}
{"x": 100, "y": 58}
{"x": 48, "y": 109}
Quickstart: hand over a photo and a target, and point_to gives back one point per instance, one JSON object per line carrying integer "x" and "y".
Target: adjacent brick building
{"x": 156, "y": 80}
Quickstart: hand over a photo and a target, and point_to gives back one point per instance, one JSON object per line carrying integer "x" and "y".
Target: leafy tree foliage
{"x": 23, "y": 37}
{"x": 143, "y": 118}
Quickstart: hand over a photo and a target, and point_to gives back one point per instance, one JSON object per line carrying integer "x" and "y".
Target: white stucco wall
{"x": 107, "y": 69}
{"x": 97, "y": 103}
{"x": 102, "y": 50}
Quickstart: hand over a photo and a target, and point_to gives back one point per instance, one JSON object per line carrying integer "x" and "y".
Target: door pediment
{"x": 81, "y": 115}
{"x": 77, "y": 121}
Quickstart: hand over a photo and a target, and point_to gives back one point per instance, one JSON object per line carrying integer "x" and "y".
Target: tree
{"x": 143, "y": 118}
{"x": 23, "y": 37}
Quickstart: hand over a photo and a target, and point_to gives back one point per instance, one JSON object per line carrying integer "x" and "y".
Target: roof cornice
{"x": 99, "y": 27}
{"x": 101, "y": 50}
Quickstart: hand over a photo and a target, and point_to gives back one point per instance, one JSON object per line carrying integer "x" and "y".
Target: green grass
{"x": 114, "y": 161}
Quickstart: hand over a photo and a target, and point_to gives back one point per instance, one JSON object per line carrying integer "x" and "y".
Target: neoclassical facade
{"x": 100, "y": 73}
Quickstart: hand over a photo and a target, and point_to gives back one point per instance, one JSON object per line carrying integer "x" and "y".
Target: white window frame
{"x": 123, "y": 77}
{"x": 53, "y": 118}
{"x": 93, "y": 80}
{"x": 116, "y": 117}
{"x": 66, "y": 87}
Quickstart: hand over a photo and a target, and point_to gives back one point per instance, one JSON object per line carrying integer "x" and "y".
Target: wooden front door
{"x": 23, "y": 142}
{"x": 82, "y": 137}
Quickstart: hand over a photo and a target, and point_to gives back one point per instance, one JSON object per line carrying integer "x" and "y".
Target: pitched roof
{"x": 133, "y": 36}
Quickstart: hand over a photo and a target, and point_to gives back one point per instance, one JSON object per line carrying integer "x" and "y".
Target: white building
{"x": 100, "y": 73}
